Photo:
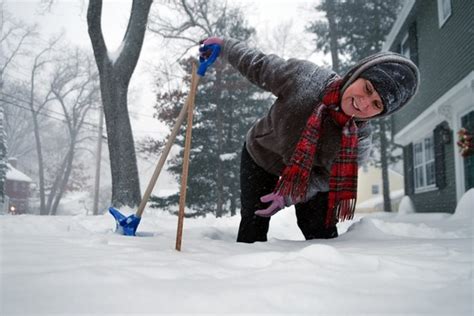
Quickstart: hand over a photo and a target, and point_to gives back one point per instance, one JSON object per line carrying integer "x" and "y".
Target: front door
{"x": 467, "y": 121}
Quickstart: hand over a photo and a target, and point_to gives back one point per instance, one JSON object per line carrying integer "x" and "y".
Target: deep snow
{"x": 384, "y": 264}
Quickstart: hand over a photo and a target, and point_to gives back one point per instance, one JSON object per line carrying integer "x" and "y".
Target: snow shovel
{"x": 128, "y": 225}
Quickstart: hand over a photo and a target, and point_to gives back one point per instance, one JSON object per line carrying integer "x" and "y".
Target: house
{"x": 369, "y": 189}
{"x": 438, "y": 36}
{"x": 17, "y": 189}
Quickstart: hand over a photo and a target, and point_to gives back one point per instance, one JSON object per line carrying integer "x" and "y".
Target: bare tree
{"x": 12, "y": 38}
{"x": 17, "y": 120}
{"x": 285, "y": 41}
{"x": 115, "y": 74}
{"x": 75, "y": 87}
{"x": 36, "y": 106}
{"x": 188, "y": 21}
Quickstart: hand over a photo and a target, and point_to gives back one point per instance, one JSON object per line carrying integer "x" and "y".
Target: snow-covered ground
{"x": 382, "y": 264}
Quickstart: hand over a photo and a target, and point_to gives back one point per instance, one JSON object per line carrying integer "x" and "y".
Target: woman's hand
{"x": 204, "y": 50}
{"x": 277, "y": 203}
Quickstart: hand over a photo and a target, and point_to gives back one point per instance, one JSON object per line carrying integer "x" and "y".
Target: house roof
{"x": 14, "y": 174}
{"x": 402, "y": 16}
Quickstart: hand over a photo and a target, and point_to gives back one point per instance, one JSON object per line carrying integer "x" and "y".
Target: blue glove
{"x": 277, "y": 203}
{"x": 208, "y": 53}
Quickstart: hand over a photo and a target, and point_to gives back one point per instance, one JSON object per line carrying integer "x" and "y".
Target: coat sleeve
{"x": 269, "y": 72}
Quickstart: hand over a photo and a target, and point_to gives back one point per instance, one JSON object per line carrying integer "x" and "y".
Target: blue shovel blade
{"x": 125, "y": 225}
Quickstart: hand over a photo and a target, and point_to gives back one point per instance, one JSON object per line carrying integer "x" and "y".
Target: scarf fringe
{"x": 344, "y": 210}
{"x": 293, "y": 183}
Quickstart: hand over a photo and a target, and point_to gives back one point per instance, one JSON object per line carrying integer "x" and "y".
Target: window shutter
{"x": 439, "y": 142}
{"x": 413, "y": 43}
{"x": 408, "y": 167}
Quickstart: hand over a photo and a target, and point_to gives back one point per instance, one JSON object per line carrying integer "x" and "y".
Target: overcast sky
{"x": 69, "y": 16}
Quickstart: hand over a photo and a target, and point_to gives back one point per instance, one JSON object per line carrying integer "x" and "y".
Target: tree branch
{"x": 17, "y": 48}
{"x": 133, "y": 40}
{"x": 94, "y": 17}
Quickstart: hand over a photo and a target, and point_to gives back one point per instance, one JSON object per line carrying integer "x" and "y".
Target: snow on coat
{"x": 298, "y": 86}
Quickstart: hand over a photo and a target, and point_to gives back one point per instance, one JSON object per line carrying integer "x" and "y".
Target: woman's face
{"x": 360, "y": 100}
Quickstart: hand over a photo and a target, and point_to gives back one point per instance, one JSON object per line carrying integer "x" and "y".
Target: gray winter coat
{"x": 298, "y": 86}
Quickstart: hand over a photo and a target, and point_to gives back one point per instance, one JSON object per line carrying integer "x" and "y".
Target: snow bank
{"x": 406, "y": 206}
{"x": 385, "y": 264}
{"x": 378, "y": 200}
{"x": 465, "y": 207}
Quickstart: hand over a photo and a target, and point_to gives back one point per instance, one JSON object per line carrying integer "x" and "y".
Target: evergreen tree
{"x": 226, "y": 106}
{"x": 354, "y": 30}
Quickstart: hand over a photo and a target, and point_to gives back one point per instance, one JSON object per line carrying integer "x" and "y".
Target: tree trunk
{"x": 123, "y": 161}
{"x": 387, "y": 205}
{"x": 114, "y": 80}
{"x": 3, "y": 139}
{"x": 384, "y": 142}
{"x": 219, "y": 132}
{"x": 56, "y": 184}
{"x": 65, "y": 179}
{"x": 95, "y": 207}
{"x": 3, "y": 153}
{"x": 39, "y": 153}
{"x": 233, "y": 186}
{"x": 330, "y": 14}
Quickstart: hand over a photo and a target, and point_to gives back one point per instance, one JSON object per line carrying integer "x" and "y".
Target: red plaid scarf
{"x": 343, "y": 181}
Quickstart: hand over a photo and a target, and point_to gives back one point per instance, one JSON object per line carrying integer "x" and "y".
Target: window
{"x": 444, "y": 11}
{"x": 375, "y": 189}
{"x": 405, "y": 47}
{"x": 424, "y": 164}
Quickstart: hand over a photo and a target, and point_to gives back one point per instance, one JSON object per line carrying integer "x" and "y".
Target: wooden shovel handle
{"x": 187, "y": 149}
{"x": 169, "y": 143}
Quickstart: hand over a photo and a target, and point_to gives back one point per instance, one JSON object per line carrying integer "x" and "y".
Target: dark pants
{"x": 255, "y": 182}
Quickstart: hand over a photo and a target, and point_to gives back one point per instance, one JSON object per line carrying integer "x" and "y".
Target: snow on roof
{"x": 16, "y": 175}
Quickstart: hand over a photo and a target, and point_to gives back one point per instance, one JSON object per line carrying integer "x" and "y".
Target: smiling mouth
{"x": 354, "y": 104}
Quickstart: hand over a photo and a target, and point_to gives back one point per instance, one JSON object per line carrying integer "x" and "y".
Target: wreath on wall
{"x": 466, "y": 147}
